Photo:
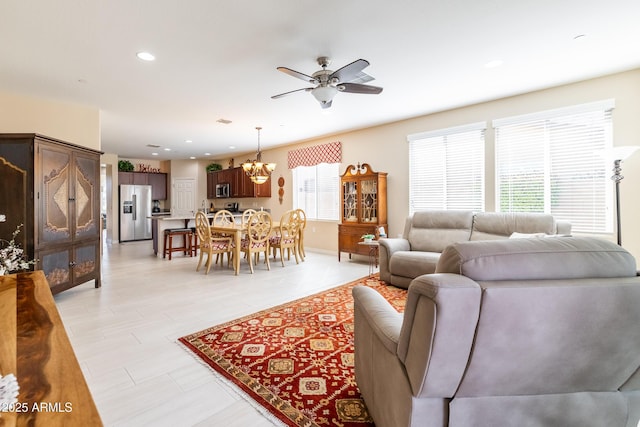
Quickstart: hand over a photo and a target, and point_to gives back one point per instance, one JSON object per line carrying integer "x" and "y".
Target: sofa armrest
{"x": 440, "y": 319}
{"x": 563, "y": 227}
{"x": 386, "y": 250}
{"x": 379, "y": 315}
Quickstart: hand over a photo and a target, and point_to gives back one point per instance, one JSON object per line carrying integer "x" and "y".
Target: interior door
{"x": 183, "y": 197}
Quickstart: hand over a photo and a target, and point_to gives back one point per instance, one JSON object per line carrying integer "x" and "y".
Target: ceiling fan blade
{"x": 297, "y": 74}
{"x": 358, "y": 88}
{"x": 290, "y": 92}
{"x": 350, "y": 71}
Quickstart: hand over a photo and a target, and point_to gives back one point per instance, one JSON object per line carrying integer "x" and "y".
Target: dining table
{"x": 237, "y": 231}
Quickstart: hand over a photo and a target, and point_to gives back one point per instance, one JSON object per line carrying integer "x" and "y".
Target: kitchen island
{"x": 159, "y": 223}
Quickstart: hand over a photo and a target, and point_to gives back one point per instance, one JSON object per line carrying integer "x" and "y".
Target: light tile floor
{"x": 124, "y": 333}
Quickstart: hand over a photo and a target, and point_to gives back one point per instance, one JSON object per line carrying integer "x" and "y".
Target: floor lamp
{"x": 618, "y": 155}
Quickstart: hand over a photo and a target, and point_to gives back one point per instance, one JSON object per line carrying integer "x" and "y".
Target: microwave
{"x": 222, "y": 190}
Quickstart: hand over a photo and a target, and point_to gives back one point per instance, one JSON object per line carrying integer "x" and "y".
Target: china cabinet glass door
{"x": 350, "y": 201}
{"x": 368, "y": 201}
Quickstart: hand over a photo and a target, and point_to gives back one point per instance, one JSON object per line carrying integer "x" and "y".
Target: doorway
{"x": 183, "y": 197}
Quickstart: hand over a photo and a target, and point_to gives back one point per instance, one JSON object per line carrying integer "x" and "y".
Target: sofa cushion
{"x": 432, "y": 231}
{"x": 531, "y": 259}
{"x": 413, "y": 263}
{"x": 497, "y": 225}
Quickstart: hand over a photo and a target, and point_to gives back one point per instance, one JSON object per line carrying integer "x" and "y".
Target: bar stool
{"x": 169, "y": 233}
{"x": 194, "y": 242}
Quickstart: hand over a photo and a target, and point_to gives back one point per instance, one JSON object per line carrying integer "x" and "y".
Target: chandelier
{"x": 258, "y": 171}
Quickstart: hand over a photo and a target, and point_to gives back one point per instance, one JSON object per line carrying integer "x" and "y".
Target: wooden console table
{"x": 34, "y": 346}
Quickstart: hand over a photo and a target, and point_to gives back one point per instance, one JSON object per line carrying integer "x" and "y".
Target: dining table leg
{"x": 236, "y": 251}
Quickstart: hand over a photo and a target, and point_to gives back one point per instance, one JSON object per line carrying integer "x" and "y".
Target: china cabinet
{"x": 57, "y": 199}
{"x": 364, "y": 207}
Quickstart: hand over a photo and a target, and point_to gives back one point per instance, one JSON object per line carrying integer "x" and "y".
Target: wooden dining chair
{"x": 286, "y": 236}
{"x": 257, "y": 239}
{"x": 208, "y": 243}
{"x": 301, "y": 217}
{"x": 223, "y": 218}
{"x": 246, "y": 215}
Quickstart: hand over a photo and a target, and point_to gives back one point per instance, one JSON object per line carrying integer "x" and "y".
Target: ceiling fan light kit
{"x": 346, "y": 79}
{"x": 257, "y": 170}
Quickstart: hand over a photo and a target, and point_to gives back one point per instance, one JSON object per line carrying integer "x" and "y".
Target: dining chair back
{"x": 246, "y": 215}
{"x": 286, "y": 236}
{"x": 259, "y": 227}
{"x": 301, "y": 217}
{"x": 210, "y": 244}
{"x": 223, "y": 218}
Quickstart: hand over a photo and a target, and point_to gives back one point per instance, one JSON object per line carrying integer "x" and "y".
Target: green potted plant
{"x": 367, "y": 237}
{"x": 214, "y": 167}
{"x": 125, "y": 166}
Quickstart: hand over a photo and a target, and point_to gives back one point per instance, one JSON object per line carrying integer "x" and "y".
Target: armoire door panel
{"x": 86, "y": 197}
{"x": 55, "y": 170}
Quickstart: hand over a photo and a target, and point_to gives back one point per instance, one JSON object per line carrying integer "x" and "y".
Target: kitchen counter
{"x": 159, "y": 223}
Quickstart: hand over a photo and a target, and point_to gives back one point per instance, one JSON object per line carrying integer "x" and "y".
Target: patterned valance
{"x": 311, "y": 156}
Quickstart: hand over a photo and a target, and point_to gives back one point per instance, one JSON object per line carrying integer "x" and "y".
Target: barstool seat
{"x": 169, "y": 233}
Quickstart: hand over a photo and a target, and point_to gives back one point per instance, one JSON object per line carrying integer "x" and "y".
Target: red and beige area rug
{"x": 296, "y": 360}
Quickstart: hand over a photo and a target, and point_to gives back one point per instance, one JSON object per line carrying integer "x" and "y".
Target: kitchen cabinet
{"x": 363, "y": 207}
{"x": 125, "y": 178}
{"x": 212, "y": 180}
{"x": 57, "y": 198}
{"x": 240, "y": 184}
{"x": 157, "y": 181}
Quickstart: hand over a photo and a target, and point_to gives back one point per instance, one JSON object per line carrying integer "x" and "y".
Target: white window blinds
{"x": 547, "y": 162}
{"x": 446, "y": 168}
{"x": 316, "y": 190}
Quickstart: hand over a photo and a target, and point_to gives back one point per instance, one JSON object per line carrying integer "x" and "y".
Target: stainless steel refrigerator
{"x": 135, "y": 212}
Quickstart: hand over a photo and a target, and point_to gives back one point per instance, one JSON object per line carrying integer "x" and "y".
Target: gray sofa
{"x": 517, "y": 332}
{"x": 427, "y": 233}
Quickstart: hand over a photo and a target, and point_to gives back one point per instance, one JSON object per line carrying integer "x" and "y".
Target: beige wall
{"x": 69, "y": 122}
{"x": 384, "y": 147}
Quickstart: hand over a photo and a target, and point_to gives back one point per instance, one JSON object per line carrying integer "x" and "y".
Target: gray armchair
{"x": 521, "y": 332}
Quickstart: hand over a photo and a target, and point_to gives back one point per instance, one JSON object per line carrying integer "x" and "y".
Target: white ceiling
{"x": 217, "y": 60}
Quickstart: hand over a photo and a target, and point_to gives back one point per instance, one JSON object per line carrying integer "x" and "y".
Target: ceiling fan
{"x": 327, "y": 83}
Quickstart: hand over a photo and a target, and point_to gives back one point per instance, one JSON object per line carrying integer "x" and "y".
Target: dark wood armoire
{"x": 52, "y": 188}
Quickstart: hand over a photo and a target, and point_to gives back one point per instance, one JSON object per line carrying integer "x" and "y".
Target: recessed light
{"x": 207, "y": 154}
{"x": 188, "y": 141}
{"x": 493, "y": 64}
{"x": 192, "y": 158}
{"x": 145, "y": 56}
{"x": 154, "y": 154}
{"x": 232, "y": 147}
{"x": 167, "y": 149}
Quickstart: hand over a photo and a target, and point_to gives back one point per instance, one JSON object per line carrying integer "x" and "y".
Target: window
{"x": 316, "y": 179}
{"x": 316, "y": 190}
{"x": 446, "y": 169}
{"x": 547, "y": 162}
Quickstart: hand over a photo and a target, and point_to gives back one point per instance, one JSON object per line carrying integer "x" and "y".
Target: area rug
{"x": 295, "y": 360}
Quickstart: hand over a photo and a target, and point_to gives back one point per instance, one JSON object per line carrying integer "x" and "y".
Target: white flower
{"x": 8, "y": 390}
{"x": 12, "y": 256}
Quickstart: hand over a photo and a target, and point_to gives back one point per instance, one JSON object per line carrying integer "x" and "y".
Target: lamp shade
{"x": 622, "y": 152}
